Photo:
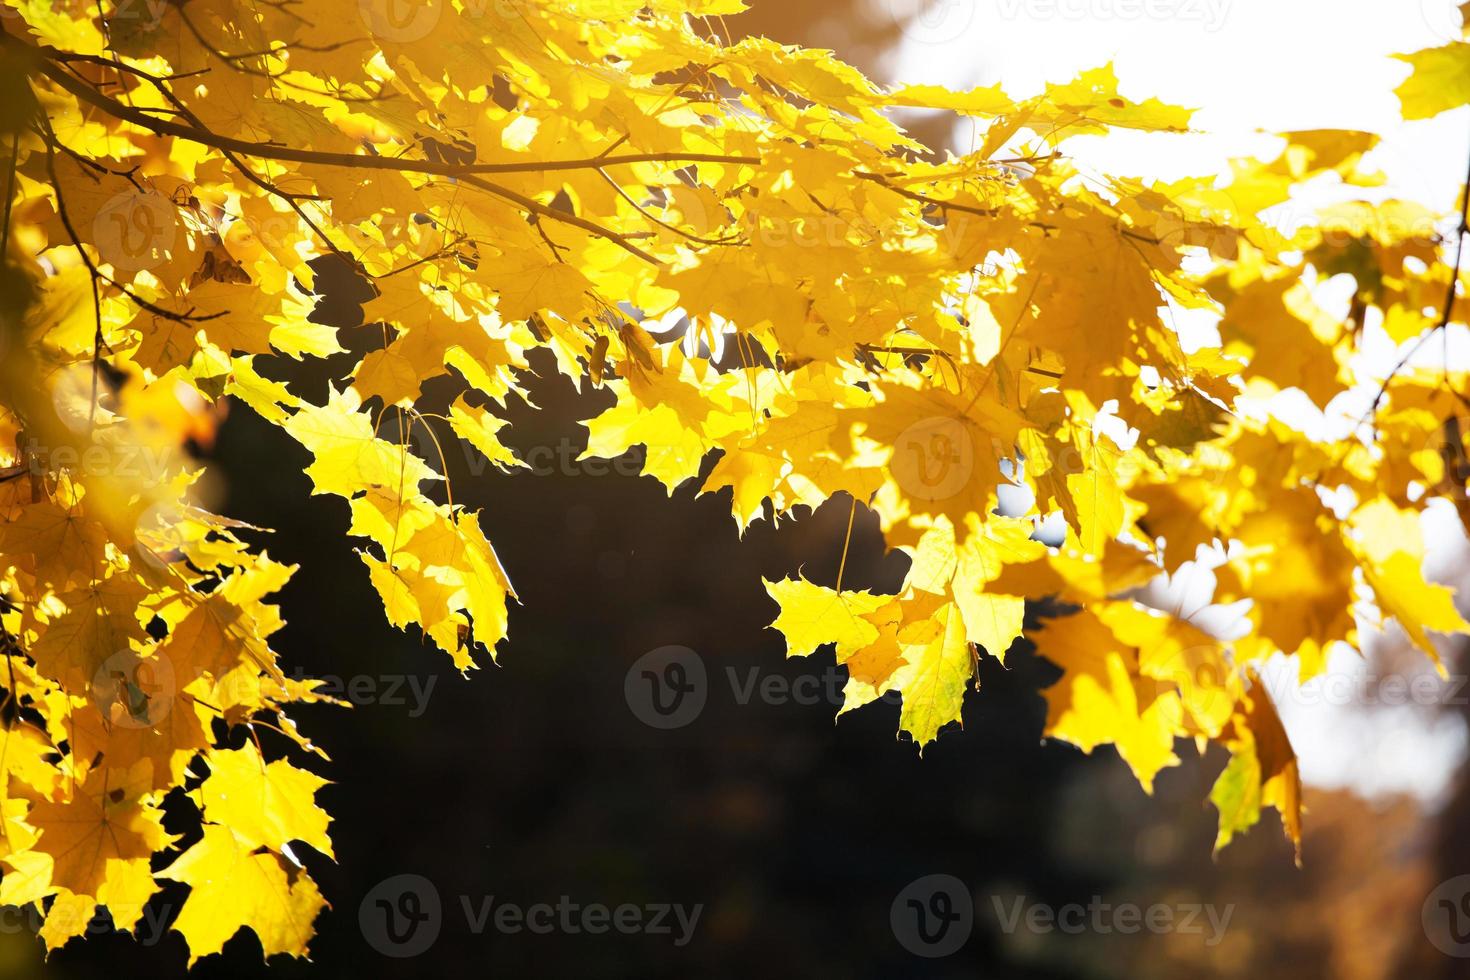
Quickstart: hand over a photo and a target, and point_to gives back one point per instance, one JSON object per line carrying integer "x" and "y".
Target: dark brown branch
{"x": 465, "y": 173}
{"x": 263, "y": 183}
{"x": 48, "y": 137}
{"x": 536, "y": 207}
{"x": 236, "y": 62}
{"x": 97, "y": 339}
{"x": 915, "y": 196}
{"x": 45, "y": 60}
{"x": 9, "y": 194}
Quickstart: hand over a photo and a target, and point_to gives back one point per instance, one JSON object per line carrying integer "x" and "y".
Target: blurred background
{"x": 801, "y": 838}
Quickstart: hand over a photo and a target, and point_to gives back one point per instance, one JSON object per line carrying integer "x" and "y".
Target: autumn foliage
{"x": 857, "y": 315}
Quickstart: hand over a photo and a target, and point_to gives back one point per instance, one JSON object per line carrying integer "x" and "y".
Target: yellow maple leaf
{"x": 814, "y": 615}
{"x": 1440, "y": 80}
{"x": 1100, "y": 699}
{"x": 265, "y": 804}
{"x": 234, "y": 887}
{"x": 1262, "y": 771}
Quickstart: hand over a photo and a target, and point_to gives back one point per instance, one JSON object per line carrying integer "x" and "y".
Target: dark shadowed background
{"x": 796, "y": 836}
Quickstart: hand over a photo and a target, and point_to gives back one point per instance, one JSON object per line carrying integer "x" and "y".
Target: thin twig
{"x": 9, "y": 193}
{"x": 732, "y": 240}
{"x": 1449, "y": 302}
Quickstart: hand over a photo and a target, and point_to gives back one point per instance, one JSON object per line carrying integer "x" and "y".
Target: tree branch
{"x": 1449, "y": 301}
{"x": 45, "y": 59}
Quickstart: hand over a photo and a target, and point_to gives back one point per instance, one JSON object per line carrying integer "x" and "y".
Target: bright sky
{"x": 1247, "y": 65}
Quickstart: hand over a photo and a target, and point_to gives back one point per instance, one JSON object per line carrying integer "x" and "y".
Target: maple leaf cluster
{"x": 788, "y": 297}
